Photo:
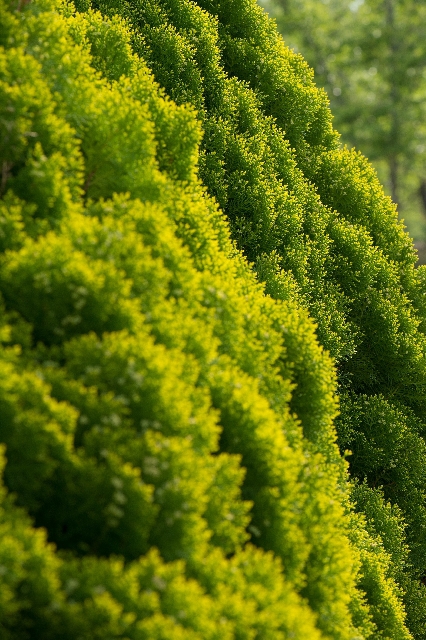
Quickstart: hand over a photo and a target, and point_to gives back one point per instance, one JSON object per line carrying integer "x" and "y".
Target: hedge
{"x": 212, "y": 369}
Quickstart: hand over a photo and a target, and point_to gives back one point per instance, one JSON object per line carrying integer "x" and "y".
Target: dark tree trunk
{"x": 422, "y": 193}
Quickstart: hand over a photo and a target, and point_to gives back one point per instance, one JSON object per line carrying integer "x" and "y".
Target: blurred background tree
{"x": 370, "y": 56}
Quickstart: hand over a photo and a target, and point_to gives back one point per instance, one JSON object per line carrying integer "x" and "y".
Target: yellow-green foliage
{"x": 167, "y": 406}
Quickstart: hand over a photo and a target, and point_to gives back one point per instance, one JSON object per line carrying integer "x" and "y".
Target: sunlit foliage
{"x": 183, "y": 243}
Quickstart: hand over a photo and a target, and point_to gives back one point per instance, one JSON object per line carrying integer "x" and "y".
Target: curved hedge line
{"x": 170, "y": 413}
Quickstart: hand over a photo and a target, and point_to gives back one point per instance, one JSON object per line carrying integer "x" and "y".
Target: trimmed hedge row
{"x": 169, "y": 408}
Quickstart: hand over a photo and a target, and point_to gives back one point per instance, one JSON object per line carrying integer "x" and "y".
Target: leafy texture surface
{"x": 195, "y": 280}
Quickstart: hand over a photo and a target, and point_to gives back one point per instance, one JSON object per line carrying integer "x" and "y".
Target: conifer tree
{"x": 195, "y": 280}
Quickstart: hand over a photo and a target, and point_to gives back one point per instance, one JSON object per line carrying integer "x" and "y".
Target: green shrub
{"x": 169, "y": 407}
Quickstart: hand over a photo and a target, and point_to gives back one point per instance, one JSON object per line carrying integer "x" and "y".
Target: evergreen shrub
{"x": 207, "y": 306}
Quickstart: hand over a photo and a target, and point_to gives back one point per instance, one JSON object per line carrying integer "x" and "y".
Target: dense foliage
{"x": 370, "y": 56}
{"x": 184, "y": 244}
